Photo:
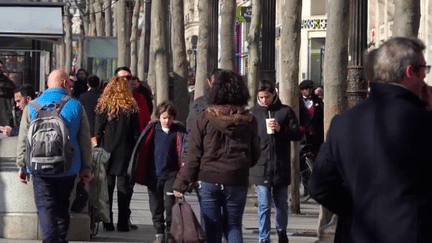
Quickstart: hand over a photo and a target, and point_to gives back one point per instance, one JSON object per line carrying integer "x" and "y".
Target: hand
{"x": 87, "y": 176}
{"x": 23, "y": 176}
{"x": 274, "y": 125}
{"x": 94, "y": 141}
{"x": 6, "y": 130}
{"x": 177, "y": 194}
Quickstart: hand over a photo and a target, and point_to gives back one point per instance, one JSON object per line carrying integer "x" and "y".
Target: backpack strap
{"x": 36, "y": 106}
{"x": 63, "y": 102}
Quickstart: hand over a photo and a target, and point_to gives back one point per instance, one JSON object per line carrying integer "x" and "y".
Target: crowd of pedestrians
{"x": 371, "y": 171}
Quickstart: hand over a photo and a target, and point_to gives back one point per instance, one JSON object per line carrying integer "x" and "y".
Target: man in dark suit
{"x": 89, "y": 100}
{"x": 375, "y": 166}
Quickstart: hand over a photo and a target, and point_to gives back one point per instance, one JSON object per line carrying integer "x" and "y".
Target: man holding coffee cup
{"x": 277, "y": 127}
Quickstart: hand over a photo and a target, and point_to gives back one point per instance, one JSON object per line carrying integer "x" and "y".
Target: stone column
{"x": 357, "y": 84}
{"x": 268, "y": 70}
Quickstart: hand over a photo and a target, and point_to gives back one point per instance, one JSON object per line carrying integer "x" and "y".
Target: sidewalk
{"x": 301, "y": 228}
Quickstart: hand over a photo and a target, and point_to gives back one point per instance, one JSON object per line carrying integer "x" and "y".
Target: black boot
{"x": 283, "y": 238}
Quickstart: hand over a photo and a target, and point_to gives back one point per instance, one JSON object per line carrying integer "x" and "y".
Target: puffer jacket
{"x": 274, "y": 167}
{"x": 223, "y": 145}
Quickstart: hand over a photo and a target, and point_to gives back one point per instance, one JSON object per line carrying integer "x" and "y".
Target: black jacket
{"x": 117, "y": 137}
{"x": 376, "y": 166}
{"x": 274, "y": 165}
{"x": 6, "y": 101}
{"x": 223, "y": 145}
{"x": 89, "y": 100}
{"x": 316, "y": 122}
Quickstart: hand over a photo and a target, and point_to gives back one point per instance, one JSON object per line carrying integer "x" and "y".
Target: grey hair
{"x": 389, "y": 61}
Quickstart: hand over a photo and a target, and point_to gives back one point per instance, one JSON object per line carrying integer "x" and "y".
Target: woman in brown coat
{"x": 223, "y": 145}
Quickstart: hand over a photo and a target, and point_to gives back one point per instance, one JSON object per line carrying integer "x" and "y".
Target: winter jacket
{"x": 139, "y": 168}
{"x": 223, "y": 145}
{"x": 6, "y": 101}
{"x": 274, "y": 165}
{"x": 314, "y": 123}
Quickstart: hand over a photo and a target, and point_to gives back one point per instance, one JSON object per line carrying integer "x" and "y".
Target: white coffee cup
{"x": 269, "y": 129}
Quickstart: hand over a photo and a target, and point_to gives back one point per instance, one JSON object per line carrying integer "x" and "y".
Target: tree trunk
{"x": 181, "y": 94}
{"x": 92, "y": 26}
{"x": 228, "y": 15}
{"x": 202, "y": 54}
{"x": 134, "y": 37}
{"x": 128, "y": 29}
{"x": 121, "y": 33}
{"x": 160, "y": 47}
{"x": 288, "y": 85}
{"x": 68, "y": 39}
{"x": 80, "y": 58}
{"x": 143, "y": 58}
{"x": 61, "y": 55}
{"x": 254, "y": 51}
{"x": 108, "y": 18}
{"x": 407, "y": 21}
{"x": 335, "y": 68}
{"x": 97, "y": 6}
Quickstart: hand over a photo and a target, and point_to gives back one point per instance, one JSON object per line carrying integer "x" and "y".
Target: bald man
{"x": 52, "y": 192}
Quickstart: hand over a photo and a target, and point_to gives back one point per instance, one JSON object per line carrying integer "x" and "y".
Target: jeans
{"x": 52, "y": 203}
{"x": 160, "y": 201}
{"x": 222, "y": 208}
{"x": 280, "y": 198}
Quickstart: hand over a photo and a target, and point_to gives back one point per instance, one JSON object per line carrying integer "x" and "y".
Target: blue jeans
{"x": 222, "y": 208}
{"x": 280, "y": 198}
{"x": 52, "y": 203}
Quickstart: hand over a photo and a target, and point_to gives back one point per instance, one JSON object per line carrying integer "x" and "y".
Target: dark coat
{"x": 146, "y": 92}
{"x": 89, "y": 100}
{"x": 143, "y": 152}
{"x": 223, "y": 145}
{"x": 198, "y": 106}
{"x": 316, "y": 123}
{"x": 274, "y": 165}
{"x": 376, "y": 166}
{"x": 6, "y": 101}
{"x": 117, "y": 137}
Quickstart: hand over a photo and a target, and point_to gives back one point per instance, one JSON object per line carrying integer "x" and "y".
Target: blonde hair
{"x": 117, "y": 98}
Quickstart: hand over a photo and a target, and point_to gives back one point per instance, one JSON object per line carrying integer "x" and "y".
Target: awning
{"x": 36, "y": 20}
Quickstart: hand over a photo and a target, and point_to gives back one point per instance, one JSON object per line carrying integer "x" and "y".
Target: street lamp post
{"x": 357, "y": 84}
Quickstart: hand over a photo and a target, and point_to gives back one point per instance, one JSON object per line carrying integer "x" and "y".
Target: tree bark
{"x": 80, "y": 56}
{"x": 97, "y": 6}
{"x": 202, "y": 54}
{"x": 108, "y": 18}
{"x": 181, "y": 94}
{"x": 159, "y": 43}
{"x": 143, "y": 58}
{"x": 288, "y": 85}
{"x": 228, "y": 15}
{"x": 121, "y": 33}
{"x": 407, "y": 20}
{"x": 92, "y": 25}
{"x": 68, "y": 39}
{"x": 134, "y": 38}
{"x": 254, "y": 51}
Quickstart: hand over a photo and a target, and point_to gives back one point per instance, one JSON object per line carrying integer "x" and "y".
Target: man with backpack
{"x": 54, "y": 147}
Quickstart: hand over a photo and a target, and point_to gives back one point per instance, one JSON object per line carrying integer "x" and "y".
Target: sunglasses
{"x": 427, "y": 68}
{"x": 128, "y": 77}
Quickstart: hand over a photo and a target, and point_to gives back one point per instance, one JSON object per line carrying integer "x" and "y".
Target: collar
{"x": 57, "y": 90}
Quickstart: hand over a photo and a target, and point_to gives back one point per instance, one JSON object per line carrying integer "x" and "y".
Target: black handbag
{"x": 185, "y": 227}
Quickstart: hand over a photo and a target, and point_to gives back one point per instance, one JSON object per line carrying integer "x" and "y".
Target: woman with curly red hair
{"x": 116, "y": 130}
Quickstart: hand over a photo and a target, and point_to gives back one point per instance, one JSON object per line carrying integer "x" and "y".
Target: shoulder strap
{"x": 36, "y": 106}
{"x": 63, "y": 102}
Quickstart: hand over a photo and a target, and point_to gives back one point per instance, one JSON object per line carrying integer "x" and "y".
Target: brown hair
{"x": 117, "y": 97}
{"x": 166, "y": 106}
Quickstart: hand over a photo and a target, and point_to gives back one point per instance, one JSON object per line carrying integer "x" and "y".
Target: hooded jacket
{"x": 223, "y": 145}
{"x": 274, "y": 167}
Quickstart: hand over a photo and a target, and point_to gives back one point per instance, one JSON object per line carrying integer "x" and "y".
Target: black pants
{"x": 52, "y": 203}
{"x": 124, "y": 195}
{"x": 160, "y": 202}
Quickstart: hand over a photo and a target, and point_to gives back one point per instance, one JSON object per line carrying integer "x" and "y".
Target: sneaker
{"x": 132, "y": 226}
{"x": 159, "y": 238}
{"x": 283, "y": 238}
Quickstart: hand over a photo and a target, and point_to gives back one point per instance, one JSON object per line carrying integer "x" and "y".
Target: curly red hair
{"x": 117, "y": 98}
